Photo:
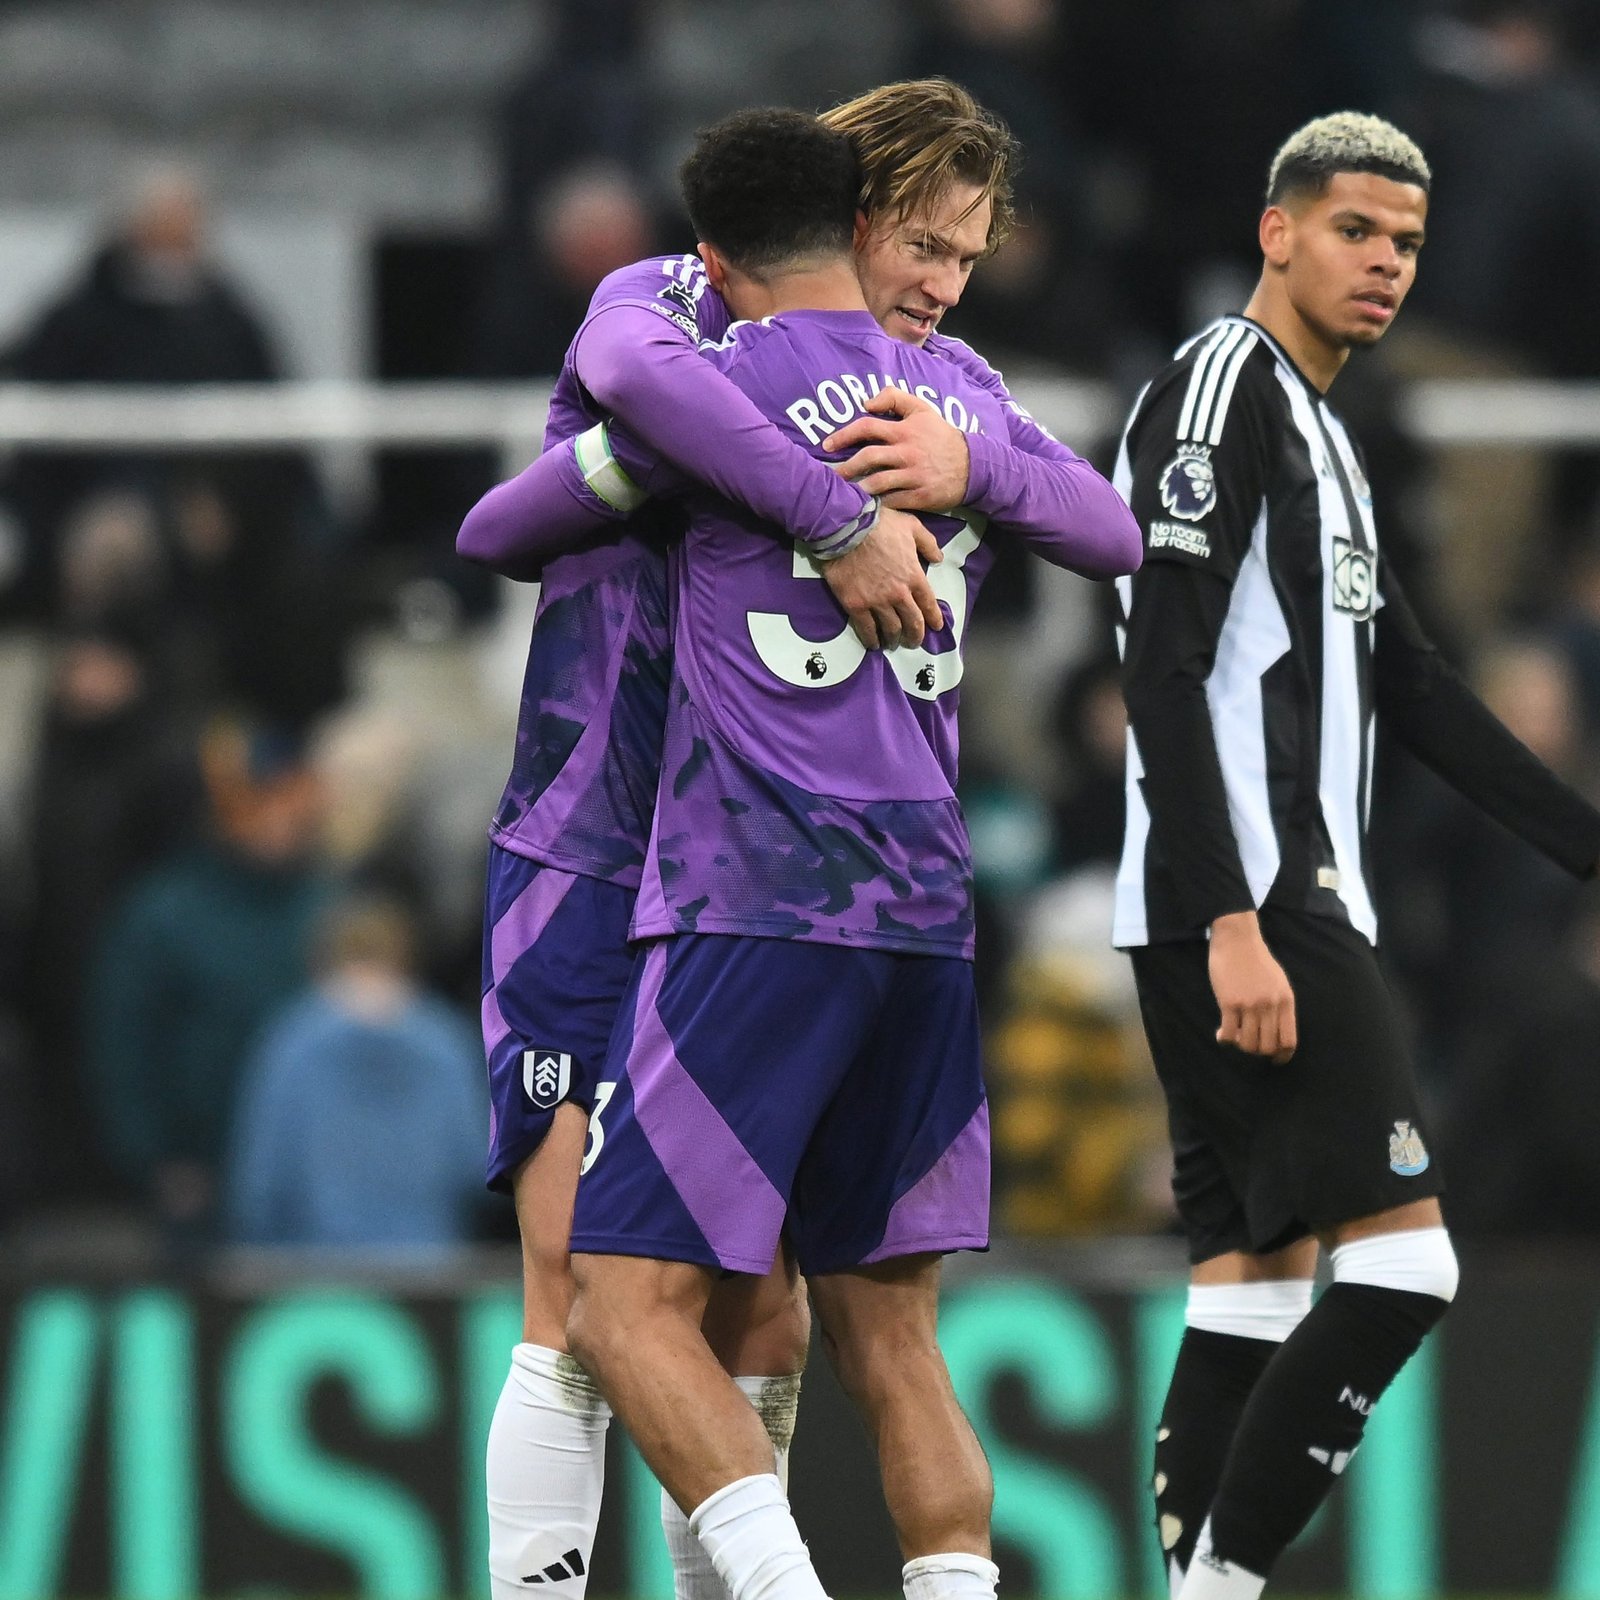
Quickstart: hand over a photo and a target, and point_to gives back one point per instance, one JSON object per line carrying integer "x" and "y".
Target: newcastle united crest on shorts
{"x": 1408, "y": 1155}
{"x": 1188, "y": 483}
{"x": 546, "y": 1077}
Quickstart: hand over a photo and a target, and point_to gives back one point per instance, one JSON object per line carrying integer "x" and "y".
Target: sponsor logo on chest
{"x": 1355, "y": 580}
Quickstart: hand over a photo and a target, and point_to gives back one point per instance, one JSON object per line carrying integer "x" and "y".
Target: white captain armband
{"x": 603, "y": 474}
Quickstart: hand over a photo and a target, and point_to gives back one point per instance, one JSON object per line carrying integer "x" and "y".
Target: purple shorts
{"x": 757, "y": 1086}
{"x": 556, "y": 963}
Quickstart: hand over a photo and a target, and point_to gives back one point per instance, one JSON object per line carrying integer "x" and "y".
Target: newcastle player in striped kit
{"x": 1261, "y": 638}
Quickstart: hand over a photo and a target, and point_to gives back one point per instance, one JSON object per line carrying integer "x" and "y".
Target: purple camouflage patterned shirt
{"x": 588, "y": 752}
{"x": 588, "y": 748}
{"x": 807, "y": 784}
{"x": 594, "y": 695}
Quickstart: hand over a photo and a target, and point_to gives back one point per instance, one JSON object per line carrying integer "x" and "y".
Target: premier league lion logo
{"x": 1188, "y": 484}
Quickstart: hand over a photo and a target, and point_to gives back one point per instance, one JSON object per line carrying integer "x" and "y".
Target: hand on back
{"x": 882, "y": 585}
{"x": 905, "y": 452}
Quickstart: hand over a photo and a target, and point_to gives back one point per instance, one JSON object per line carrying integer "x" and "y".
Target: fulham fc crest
{"x": 1408, "y": 1155}
{"x": 546, "y": 1077}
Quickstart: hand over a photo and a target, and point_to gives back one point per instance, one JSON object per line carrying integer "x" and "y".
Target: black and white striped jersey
{"x": 1259, "y": 639}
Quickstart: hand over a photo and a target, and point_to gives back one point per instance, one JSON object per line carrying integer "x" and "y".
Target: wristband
{"x": 845, "y": 539}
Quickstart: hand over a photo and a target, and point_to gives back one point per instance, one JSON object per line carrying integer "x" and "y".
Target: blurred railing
{"x": 1446, "y": 411}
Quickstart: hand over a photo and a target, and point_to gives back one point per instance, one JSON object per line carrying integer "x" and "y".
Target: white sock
{"x": 750, "y": 1534}
{"x": 693, "y": 1575}
{"x": 1211, "y": 1579}
{"x": 546, "y": 1466}
{"x": 951, "y": 1577}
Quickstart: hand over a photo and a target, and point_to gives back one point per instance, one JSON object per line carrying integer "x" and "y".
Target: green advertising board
{"x": 158, "y": 1443}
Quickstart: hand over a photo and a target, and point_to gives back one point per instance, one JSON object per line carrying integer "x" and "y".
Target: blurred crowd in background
{"x": 254, "y": 721}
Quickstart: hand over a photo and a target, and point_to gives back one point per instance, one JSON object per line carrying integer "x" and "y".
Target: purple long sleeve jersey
{"x": 808, "y": 785}
{"x": 588, "y": 743}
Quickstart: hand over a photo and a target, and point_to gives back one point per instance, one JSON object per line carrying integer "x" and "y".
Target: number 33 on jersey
{"x": 816, "y": 664}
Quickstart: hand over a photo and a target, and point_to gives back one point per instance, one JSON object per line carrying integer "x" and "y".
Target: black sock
{"x": 1304, "y": 1420}
{"x": 1211, "y": 1381}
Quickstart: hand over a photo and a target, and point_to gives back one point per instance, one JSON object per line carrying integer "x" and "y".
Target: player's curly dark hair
{"x": 770, "y": 187}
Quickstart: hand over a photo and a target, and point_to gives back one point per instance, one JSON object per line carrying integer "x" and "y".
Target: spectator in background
{"x": 574, "y": 141}
{"x": 205, "y": 948}
{"x": 1473, "y": 920}
{"x": 360, "y": 1120}
{"x": 1514, "y": 117}
{"x": 114, "y": 789}
{"x": 1524, "y": 1113}
{"x": 1160, "y": 82}
{"x": 1079, "y": 1127}
{"x": 1510, "y": 115}
{"x": 588, "y": 223}
{"x": 1091, "y": 728}
{"x": 589, "y": 97}
{"x": 154, "y": 308}
{"x": 114, "y": 568}
{"x": 1043, "y": 298}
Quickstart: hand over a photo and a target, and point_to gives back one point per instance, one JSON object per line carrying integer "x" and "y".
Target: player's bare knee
{"x": 602, "y": 1317}
{"x": 587, "y": 1330}
{"x": 773, "y": 1337}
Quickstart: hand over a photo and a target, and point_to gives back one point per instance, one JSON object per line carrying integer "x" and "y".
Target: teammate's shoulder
{"x": 673, "y": 286}
{"x": 640, "y": 280}
{"x": 961, "y": 354}
{"x": 742, "y": 339}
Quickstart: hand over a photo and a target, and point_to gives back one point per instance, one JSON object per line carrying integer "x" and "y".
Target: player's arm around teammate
{"x": 645, "y": 371}
{"x": 645, "y": 1260}
{"x": 768, "y": 1334}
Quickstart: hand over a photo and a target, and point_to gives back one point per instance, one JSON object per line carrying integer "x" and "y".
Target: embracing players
{"x": 570, "y": 833}
{"x": 798, "y": 1055}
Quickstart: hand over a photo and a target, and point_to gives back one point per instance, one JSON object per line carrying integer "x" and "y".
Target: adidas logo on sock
{"x": 569, "y": 1566}
{"x": 1335, "y": 1460}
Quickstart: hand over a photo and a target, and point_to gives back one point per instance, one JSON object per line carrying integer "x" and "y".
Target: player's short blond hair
{"x": 916, "y": 138}
{"x": 1346, "y": 141}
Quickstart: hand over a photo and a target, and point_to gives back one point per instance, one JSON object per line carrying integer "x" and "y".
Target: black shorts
{"x": 1265, "y": 1154}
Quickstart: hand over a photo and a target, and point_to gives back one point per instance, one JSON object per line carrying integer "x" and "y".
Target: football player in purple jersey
{"x": 798, "y": 1057}
{"x": 570, "y": 833}
{"x": 807, "y": 809}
